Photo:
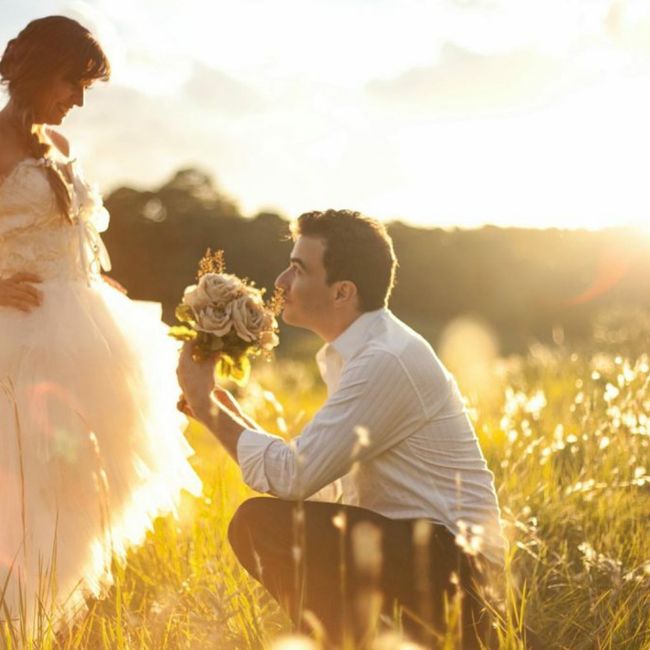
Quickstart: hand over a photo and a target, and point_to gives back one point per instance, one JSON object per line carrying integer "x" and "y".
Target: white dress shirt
{"x": 394, "y": 429}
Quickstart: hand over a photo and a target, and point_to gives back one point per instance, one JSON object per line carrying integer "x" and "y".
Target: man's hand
{"x": 18, "y": 292}
{"x": 196, "y": 379}
{"x": 207, "y": 403}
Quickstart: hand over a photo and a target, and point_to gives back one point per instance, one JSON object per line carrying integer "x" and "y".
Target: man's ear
{"x": 346, "y": 292}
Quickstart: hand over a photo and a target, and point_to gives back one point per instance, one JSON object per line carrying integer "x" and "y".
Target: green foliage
{"x": 182, "y": 333}
{"x": 184, "y": 314}
{"x": 236, "y": 370}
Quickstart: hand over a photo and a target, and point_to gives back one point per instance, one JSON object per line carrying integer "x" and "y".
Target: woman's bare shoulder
{"x": 10, "y": 156}
{"x": 59, "y": 141}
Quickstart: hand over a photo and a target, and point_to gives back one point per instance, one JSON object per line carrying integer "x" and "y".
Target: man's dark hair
{"x": 357, "y": 249}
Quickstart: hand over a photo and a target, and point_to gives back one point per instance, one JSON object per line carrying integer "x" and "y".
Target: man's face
{"x": 58, "y": 98}
{"x": 308, "y": 298}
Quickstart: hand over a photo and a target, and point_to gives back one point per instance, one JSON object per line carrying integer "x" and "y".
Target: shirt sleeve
{"x": 373, "y": 409}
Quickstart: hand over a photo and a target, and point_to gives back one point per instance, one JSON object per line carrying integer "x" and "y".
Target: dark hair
{"x": 357, "y": 248}
{"x": 47, "y": 47}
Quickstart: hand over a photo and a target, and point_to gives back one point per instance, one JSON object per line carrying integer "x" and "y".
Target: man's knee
{"x": 258, "y": 534}
{"x": 244, "y": 522}
{"x": 259, "y": 518}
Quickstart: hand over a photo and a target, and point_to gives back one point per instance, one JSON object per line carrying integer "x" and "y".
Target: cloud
{"x": 125, "y": 136}
{"x": 465, "y": 83}
{"x": 508, "y": 55}
{"x": 628, "y": 25}
{"x": 216, "y": 91}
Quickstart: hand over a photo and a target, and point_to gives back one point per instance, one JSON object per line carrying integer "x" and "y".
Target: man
{"x": 418, "y": 522}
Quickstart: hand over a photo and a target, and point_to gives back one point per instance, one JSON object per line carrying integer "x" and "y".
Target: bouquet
{"x": 227, "y": 319}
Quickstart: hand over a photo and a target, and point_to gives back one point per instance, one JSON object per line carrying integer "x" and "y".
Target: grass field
{"x": 566, "y": 434}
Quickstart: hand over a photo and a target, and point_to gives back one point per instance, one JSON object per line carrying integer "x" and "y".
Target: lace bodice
{"x": 36, "y": 237}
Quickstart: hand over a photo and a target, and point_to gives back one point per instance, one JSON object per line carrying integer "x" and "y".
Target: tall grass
{"x": 567, "y": 439}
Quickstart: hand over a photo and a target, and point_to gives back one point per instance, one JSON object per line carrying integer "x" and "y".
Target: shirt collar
{"x": 349, "y": 342}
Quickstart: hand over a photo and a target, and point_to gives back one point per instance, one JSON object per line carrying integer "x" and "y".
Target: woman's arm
{"x": 19, "y": 292}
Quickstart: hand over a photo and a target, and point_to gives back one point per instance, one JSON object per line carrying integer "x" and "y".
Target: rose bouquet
{"x": 227, "y": 319}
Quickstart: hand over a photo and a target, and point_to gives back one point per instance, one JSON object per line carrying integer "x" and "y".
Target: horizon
{"x": 631, "y": 229}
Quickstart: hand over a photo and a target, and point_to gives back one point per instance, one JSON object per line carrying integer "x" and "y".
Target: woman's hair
{"x": 47, "y": 47}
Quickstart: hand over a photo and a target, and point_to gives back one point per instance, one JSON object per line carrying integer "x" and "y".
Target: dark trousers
{"x": 343, "y": 566}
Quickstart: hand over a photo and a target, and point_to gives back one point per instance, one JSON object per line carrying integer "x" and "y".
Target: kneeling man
{"x": 414, "y": 517}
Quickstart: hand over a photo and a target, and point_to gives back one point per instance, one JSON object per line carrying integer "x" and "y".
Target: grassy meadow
{"x": 566, "y": 433}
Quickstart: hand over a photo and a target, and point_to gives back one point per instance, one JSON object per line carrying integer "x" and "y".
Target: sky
{"x": 452, "y": 113}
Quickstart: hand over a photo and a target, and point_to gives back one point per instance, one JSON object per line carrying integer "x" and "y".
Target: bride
{"x": 91, "y": 446}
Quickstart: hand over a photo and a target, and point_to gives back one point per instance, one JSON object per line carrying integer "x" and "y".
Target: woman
{"x": 91, "y": 446}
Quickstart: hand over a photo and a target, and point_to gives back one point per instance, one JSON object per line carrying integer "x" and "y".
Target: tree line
{"x": 526, "y": 285}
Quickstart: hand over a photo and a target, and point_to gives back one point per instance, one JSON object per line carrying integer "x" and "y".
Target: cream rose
{"x": 213, "y": 289}
{"x": 215, "y": 319}
{"x": 249, "y": 316}
{"x": 221, "y": 288}
{"x": 191, "y": 297}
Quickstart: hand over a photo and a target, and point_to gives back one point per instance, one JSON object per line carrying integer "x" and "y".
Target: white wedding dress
{"x": 91, "y": 444}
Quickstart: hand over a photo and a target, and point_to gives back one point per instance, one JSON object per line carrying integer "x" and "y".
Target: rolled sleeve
{"x": 251, "y": 450}
{"x": 372, "y": 397}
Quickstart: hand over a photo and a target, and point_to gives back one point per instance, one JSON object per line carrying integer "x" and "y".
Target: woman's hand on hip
{"x": 19, "y": 292}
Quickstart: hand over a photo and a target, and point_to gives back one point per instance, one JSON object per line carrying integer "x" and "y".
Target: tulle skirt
{"x": 91, "y": 444}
